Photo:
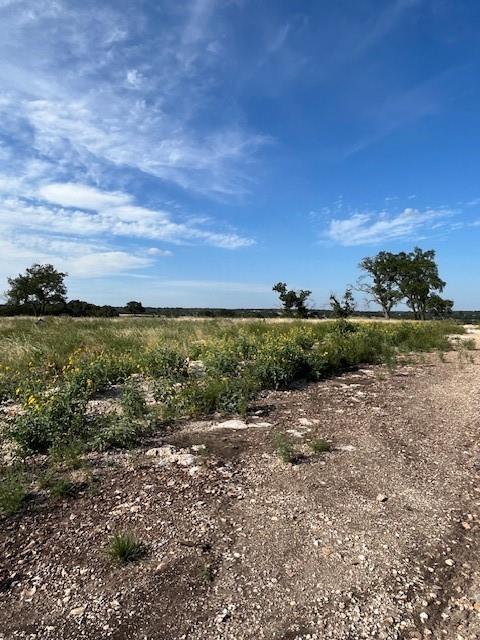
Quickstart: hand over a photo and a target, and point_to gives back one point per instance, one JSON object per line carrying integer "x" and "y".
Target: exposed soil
{"x": 378, "y": 538}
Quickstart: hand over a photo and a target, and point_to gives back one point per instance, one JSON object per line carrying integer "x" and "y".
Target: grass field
{"x": 49, "y": 373}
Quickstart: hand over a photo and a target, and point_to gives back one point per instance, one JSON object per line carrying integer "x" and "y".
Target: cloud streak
{"x": 66, "y": 223}
{"x": 375, "y": 228}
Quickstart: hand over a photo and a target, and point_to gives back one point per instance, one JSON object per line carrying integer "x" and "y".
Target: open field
{"x": 275, "y": 480}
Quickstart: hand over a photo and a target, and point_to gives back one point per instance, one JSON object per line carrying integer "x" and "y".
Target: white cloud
{"x": 106, "y": 263}
{"x": 82, "y": 196}
{"x": 134, "y": 78}
{"x": 155, "y": 251}
{"x": 81, "y": 259}
{"x": 75, "y": 225}
{"x": 372, "y": 228}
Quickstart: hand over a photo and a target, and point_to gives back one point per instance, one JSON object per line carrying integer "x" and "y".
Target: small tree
{"x": 417, "y": 279}
{"x": 439, "y": 307}
{"x": 345, "y": 307}
{"x": 382, "y": 286}
{"x": 134, "y": 307}
{"x": 40, "y": 286}
{"x": 293, "y": 301}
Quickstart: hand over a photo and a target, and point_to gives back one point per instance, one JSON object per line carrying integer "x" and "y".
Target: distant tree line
{"x": 388, "y": 279}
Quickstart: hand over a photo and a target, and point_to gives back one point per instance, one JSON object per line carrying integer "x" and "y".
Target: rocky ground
{"x": 377, "y": 538}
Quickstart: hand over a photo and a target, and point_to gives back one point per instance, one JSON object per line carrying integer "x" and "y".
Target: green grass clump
{"x": 319, "y": 445}
{"x": 68, "y": 454}
{"x": 124, "y": 547}
{"x": 12, "y": 491}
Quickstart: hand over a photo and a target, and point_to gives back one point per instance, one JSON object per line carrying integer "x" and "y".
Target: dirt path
{"x": 378, "y": 538}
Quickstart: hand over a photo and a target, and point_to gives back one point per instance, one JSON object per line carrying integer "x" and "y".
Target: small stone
{"x": 235, "y": 424}
{"x": 77, "y": 612}
{"x": 382, "y": 497}
{"x": 449, "y": 562}
{"x": 423, "y": 617}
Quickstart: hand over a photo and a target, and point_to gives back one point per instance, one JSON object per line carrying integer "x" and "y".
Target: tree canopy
{"x": 40, "y": 286}
{"x": 417, "y": 279}
{"x": 134, "y": 307}
{"x": 344, "y": 307}
{"x": 412, "y": 277}
{"x": 382, "y": 286}
{"x": 293, "y": 301}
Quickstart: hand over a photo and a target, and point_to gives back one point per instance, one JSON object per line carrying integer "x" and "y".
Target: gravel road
{"x": 376, "y": 538}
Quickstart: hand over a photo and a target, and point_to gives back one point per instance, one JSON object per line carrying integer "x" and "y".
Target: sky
{"x": 195, "y": 153}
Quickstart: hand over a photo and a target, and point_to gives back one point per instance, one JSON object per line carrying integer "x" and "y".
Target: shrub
{"x": 284, "y": 449}
{"x": 124, "y": 547}
{"x": 165, "y": 363}
{"x": 113, "y": 431}
{"x": 50, "y": 418}
{"x": 12, "y": 490}
{"x": 133, "y": 400}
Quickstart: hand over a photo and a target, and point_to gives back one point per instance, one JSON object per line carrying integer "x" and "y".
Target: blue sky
{"x": 193, "y": 153}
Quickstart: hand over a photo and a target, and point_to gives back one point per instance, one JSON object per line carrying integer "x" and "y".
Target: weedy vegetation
{"x": 319, "y": 445}
{"x": 285, "y": 450}
{"x": 125, "y": 547}
{"x": 12, "y": 490}
{"x": 51, "y": 372}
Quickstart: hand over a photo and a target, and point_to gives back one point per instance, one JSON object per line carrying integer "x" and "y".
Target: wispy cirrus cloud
{"x": 363, "y": 228}
{"x": 90, "y": 113}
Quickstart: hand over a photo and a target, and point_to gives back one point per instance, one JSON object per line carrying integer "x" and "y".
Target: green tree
{"x": 293, "y": 301}
{"x": 380, "y": 281}
{"x": 39, "y": 287}
{"x": 439, "y": 307}
{"x": 418, "y": 279}
{"x": 345, "y": 307}
{"x": 134, "y": 307}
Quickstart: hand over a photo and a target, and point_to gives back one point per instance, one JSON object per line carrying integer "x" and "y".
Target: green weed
{"x": 124, "y": 547}
{"x": 284, "y": 449}
{"x": 133, "y": 400}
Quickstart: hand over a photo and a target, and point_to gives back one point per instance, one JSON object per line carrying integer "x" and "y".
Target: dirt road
{"x": 377, "y": 538}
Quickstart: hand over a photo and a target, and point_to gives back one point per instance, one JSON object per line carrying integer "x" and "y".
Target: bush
{"x": 115, "y": 432}
{"x": 133, "y": 400}
{"x": 12, "y": 491}
{"x": 284, "y": 449}
{"x": 48, "y": 419}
